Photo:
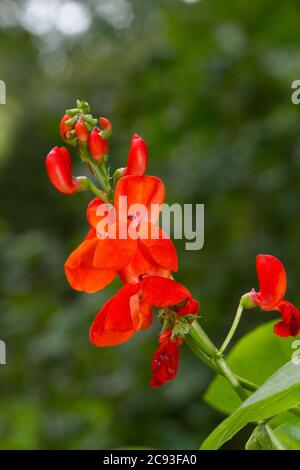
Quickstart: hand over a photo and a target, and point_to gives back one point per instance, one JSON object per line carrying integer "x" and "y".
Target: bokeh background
{"x": 208, "y": 85}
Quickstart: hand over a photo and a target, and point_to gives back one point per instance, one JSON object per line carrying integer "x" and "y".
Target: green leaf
{"x": 263, "y": 438}
{"x": 278, "y": 394}
{"x": 256, "y": 356}
{"x": 289, "y": 435}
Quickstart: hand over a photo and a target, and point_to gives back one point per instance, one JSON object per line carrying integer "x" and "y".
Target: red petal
{"x": 290, "y": 324}
{"x": 98, "y": 210}
{"x": 157, "y": 246}
{"x": 191, "y": 307}
{"x": 143, "y": 190}
{"x": 91, "y": 234}
{"x": 81, "y": 272}
{"x": 141, "y": 313}
{"x": 164, "y": 364}
{"x": 114, "y": 254}
{"x": 139, "y": 267}
{"x": 113, "y": 324}
{"x": 281, "y": 329}
{"x": 272, "y": 282}
{"x": 161, "y": 292}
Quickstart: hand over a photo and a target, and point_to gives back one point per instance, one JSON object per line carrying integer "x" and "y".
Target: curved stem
{"x": 233, "y": 328}
{"x": 86, "y": 183}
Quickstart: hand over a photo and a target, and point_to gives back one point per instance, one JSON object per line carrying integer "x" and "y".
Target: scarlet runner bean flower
{"x": 272, "y": 289}
{"x": 95, "y": 263}
{"x": 130, "y": 309}
{"x": 59, "y": 169}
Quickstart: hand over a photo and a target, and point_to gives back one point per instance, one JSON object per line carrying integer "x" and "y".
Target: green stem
{"x": 86, "y": 183}
{"x": 198, "y": 351}
{"x": 196, "y": 339}
{"x": 233, "y": 328}
{"x": 208, "y": 352}
{"x": 232, "y": 379}
{"x": 99, "y": 171}
{"x": 201, "y": 338}
{"x": 246, "y": 384}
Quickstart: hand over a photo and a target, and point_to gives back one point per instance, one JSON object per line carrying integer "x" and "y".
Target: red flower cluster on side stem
{"x": 126, "y": 241}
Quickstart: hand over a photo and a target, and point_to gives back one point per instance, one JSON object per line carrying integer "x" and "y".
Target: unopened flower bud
{"x": 98, "y": 147}
{"x": 138, "y": 157}
{"x": 65, "y": 128}
{"x": 81, "y": 131}
{"x": 106, "y": 126}
{"x": 59, "y": 169}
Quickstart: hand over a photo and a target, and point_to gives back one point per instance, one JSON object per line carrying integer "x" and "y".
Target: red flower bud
{"x": 138, "y": 157}
{"x": 81, "y": 131}
{"x": 64, "y": 128}
{"x": 106, "y": 125}
{"x": 98, "y": 147}
{"x": 164, "y": 364}
{"x": 59, "y": 169}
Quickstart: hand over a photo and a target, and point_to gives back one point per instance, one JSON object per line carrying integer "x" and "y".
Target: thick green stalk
{"x": 213, "y": 358}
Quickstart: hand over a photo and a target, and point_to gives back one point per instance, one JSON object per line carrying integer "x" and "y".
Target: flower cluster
{"x": 272, "y": 288}
{"x": 127, "y": 242}
{"x": 143, "y": 262}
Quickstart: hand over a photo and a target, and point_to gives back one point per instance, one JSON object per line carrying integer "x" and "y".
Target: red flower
{"x": 94, "y": 264}
{"x": 272, "y": 282}
{"x": 98, "y": 147}
{"x": 137, "y": 158}
{"x": 59, "y": 169}
{"x": 165, "y": 363}
{"x": 130, "y": 309}
{"x": 272, "y": 289}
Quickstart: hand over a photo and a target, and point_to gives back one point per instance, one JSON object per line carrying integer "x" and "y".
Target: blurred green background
{"x": 208, "y": 85}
